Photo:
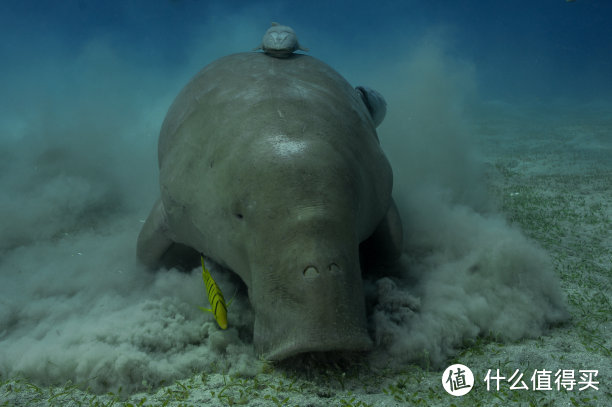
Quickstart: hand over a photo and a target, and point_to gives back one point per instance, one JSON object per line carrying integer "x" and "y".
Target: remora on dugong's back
{"x": 280, "y": 41}
{"x": 272, "y": 168}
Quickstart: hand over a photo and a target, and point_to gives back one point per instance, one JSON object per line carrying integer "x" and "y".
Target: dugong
{"x": 272, "y": 168}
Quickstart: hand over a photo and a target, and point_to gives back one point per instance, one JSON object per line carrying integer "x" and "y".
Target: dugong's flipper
{"x": 384, "y": 246}
{"x": 153, "y": 239}
{"x": 375, "y": 102}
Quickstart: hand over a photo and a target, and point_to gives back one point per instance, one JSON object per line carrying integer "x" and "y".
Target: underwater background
{"x": 499, "y": 132}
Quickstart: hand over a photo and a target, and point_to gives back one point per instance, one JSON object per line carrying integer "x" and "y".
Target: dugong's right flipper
{"x": 153, "y": 239}
{"x": 384, "y": 247}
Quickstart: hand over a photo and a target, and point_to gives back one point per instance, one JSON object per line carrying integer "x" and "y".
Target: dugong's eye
{"x": 237, "y": 209}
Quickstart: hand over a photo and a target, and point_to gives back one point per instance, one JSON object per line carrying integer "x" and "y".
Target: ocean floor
{"x": 550, "y": 172}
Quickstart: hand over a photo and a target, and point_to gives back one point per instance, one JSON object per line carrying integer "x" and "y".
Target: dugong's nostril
{"x": 334, "y": 268}
{"x": 311, "y": 272}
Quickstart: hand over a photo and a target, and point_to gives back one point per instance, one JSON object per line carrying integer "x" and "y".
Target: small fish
{"x": 215, "y": 298}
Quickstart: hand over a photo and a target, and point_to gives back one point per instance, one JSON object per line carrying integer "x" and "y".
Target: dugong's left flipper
{"x": 384, "y": 246}
{"x": 153, "y": 239}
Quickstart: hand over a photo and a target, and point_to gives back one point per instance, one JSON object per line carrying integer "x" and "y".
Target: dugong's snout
{"x": 322, "y": 309}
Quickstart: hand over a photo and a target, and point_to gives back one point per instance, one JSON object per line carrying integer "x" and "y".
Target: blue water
{"x": 548, "y": 48}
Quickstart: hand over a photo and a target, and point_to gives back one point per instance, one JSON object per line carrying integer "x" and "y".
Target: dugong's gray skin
{"x": 272, "y": 168}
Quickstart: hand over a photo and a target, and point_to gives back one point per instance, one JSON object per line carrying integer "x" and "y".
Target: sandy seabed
{"x": 551, "y": 175}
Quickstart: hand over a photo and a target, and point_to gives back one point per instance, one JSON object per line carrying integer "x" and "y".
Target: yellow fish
{"x": 215, "y": 298}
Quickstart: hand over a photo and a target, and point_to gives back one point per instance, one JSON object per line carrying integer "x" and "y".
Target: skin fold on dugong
{"x": 272, "y": 168}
